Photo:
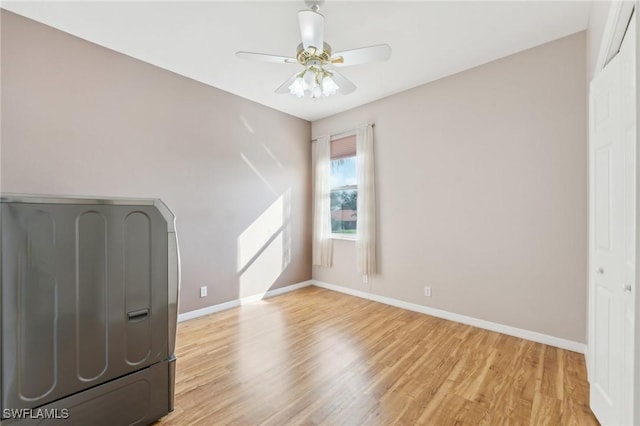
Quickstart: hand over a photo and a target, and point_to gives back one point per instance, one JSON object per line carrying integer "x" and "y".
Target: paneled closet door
{"x": 612, "y": 238}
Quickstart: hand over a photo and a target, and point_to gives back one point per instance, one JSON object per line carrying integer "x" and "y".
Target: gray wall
{"x": 80, "y": 119}
{"x": 482, "y": 192}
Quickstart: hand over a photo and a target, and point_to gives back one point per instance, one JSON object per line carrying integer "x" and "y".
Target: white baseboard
{"x": 243, "y": 301}
{"x": 487, "y": 325}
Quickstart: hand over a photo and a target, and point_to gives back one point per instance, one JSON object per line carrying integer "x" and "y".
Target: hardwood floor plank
{"x": 546, "y": 411}
{"x": 575, "y": 408}
{"x": 552, "y": 377}
{"x": 318, "y": 357}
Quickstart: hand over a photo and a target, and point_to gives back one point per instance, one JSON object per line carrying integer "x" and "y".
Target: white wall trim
{"x": 487, "y": 325}
{"x": 242, "y": 301}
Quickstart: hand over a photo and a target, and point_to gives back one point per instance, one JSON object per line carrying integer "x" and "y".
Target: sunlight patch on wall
{"x": 264, "y": 248}
{"x": 258, "y": 234}
{"x": 246, "y": 124}
{"x": 257, "y": 172}
{"x": 264, "y": 270}
{"x": 271, "y": 154}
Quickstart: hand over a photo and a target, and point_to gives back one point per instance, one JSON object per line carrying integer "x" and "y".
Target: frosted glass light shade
{"x": 329, "y": 87}
{"x": 297, "y": 87}
{"x": 314, "y": 82}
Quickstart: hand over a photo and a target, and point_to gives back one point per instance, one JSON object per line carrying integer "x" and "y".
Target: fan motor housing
{"x": 312, "y": 54}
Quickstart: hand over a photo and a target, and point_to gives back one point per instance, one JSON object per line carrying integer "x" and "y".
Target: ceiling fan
{"x": 319, "y": 78}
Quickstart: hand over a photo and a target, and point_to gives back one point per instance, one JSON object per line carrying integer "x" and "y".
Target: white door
{"x": 612, "y": 238}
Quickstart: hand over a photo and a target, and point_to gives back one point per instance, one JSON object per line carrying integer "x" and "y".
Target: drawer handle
{"x": 138, "y": 315}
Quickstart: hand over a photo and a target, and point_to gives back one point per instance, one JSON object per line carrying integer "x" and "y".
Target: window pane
{"x": 344, "y": 205}
{"x": 343, "y": 171}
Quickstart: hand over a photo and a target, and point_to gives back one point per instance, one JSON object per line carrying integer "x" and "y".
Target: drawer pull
{"x": 138, "y": 315}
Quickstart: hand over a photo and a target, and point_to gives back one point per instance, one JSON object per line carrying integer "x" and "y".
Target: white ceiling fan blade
{"x": 363, "y": 55}
{"x": 343, "y": 83}
{"x": 311, "y": 29}
{"x": 284, "y": 88}
{"x": 262, "y": 57}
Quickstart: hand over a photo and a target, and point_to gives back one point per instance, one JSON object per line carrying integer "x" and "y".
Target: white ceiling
{"x": 430, "y": 39}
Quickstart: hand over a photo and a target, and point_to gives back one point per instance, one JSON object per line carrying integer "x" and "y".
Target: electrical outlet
{"x": 427, "y": 291}
{"x": 203, "y": 291}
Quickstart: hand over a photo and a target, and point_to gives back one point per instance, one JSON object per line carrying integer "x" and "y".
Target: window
{"x": 344, "y": 188}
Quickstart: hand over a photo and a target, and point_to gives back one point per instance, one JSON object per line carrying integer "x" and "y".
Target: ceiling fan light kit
{"x": 314, "y": 81}
{"x": 319, "y": 79}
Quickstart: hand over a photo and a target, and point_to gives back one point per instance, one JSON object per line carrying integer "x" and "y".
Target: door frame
{"x": 619, "y": 14}
{"x": 636, "y": 415}
{"x": 618, "y": 17}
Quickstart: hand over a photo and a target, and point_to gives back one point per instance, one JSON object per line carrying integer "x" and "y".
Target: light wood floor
{"x": 319, "y": 357}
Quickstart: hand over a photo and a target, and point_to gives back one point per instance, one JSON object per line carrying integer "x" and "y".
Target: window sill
{"x": 347, "y": 237}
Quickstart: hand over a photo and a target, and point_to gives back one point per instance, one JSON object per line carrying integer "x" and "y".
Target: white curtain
{"x": 366, "y": 227}
{"x": 322, "y": 243}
